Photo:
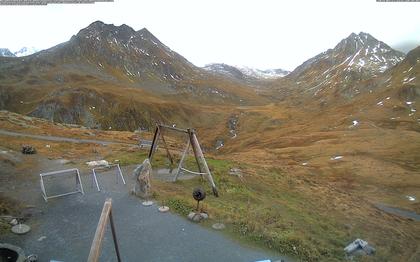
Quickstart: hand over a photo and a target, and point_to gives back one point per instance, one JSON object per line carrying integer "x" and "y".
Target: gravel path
{"x": 61, "y": 139}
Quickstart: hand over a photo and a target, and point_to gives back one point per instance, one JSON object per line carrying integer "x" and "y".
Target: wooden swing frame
{"x": 192, "y": 142}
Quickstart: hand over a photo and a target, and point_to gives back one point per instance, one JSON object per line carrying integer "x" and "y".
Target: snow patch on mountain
{"x": 243, "y": 72}
{"x": 6, "y": 52}
{"x": 25, "y": 51}
{"x": 265, "y": 74}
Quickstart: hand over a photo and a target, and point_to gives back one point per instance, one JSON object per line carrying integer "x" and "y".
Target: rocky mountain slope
{"x": 347, "y": 69}
{"x": 25, "y": 51}
{"x": 128, "y": 76}
{"x": 6, "y": 52}
{"x": 110, "y": 76}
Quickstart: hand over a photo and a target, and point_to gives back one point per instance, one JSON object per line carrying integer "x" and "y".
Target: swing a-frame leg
{"x": 192, "y": 142}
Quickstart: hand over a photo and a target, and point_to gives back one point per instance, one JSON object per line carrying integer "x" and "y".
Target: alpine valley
{"x": 321, "y": 148}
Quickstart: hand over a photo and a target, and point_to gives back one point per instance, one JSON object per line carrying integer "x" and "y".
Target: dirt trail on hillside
{"x": 62, "y": 139}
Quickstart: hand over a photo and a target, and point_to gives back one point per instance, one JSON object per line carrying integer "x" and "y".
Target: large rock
{"x": 197, "y": 216}
{"x": 142, "y": 175}
{"x": 359, "y": 247}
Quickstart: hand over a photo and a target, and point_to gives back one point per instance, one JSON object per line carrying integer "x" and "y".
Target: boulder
{"x": 359, "y": 247}
{"x": 142, "y": 174}
{"x": 197, "y": 216}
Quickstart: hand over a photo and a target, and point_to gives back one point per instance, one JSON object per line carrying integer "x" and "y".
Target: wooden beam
{"x": 173, "y": 128}
{"x": 154, "y": 143}
{"x": 190, "y": 132}
{"x": 200, "y": 158}
{"x": 95, "y": 249}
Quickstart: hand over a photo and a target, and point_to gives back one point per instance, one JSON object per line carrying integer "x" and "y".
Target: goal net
{"x": 60, "y": 183}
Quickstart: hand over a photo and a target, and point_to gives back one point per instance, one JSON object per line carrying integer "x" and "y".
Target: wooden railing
{"x": 95, "y": 249}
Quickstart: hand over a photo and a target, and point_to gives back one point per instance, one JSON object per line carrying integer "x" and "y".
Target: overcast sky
{"x": 257, "y": 33}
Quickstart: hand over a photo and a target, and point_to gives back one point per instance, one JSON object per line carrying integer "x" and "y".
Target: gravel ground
{"x": 63, "y": 228}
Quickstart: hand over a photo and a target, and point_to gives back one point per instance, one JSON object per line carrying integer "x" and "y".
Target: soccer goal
{"x": 105, "y": 168}
{"x": 58, "y": 181}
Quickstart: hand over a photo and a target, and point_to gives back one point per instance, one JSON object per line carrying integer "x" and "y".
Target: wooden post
{"x": 154, "y": 143}
{"x": 167, "y": 149}
{"x": 190, "y": 135}
{"x": 95, "y": 249}
{"x": 200, "y": 158}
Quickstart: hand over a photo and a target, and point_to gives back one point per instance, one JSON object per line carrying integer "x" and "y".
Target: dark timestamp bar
{"x": 46, "y": 2}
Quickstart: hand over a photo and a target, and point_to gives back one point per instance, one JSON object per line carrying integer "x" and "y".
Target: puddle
{"x": 398, "y": 212}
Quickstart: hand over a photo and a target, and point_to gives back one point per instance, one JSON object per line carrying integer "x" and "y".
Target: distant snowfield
{"x": 25, "y": 51}
{"x": 247, "y": 71}
{"x": 267, "y": 74}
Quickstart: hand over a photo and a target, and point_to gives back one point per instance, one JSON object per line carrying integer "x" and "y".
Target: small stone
{"x": 163, "y": 209}
{"x": 218, "y": 226}
{"x": 197, "y": 217}
{"x": 191, "y": 215}
{"x": 21, "y": 229}
{"x": 42, "y": 238}
{"x": 147, "y": 203}
{"x": 235, "y": 172}
{"x": 13, "y": 222}
{"x": 204, "y": 215}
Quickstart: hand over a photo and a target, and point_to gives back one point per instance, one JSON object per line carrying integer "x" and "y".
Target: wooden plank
{"x": 95, "y": 249}
{"x": 200, "y": 156}
{"x": 174, "y": 128}
{"x": 190, "y": 132}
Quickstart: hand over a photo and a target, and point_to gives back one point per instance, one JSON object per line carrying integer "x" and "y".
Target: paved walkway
{"x": 63, "y": 228}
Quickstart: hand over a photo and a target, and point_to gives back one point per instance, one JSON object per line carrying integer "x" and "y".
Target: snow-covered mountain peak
{"x": 245, "y": 72}
{"x": 25, "y": 51}
{"x": 6, "y": 52}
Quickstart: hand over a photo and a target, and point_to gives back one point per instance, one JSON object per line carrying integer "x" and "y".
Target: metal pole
{"x": 121, "y": 174}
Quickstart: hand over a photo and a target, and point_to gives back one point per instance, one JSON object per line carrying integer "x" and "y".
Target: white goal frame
{"x": 79, "y": 186}
{"x": 95, "y": 178}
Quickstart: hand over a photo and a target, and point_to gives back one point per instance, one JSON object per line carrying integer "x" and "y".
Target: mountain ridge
{"x": 347, "y": 67}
